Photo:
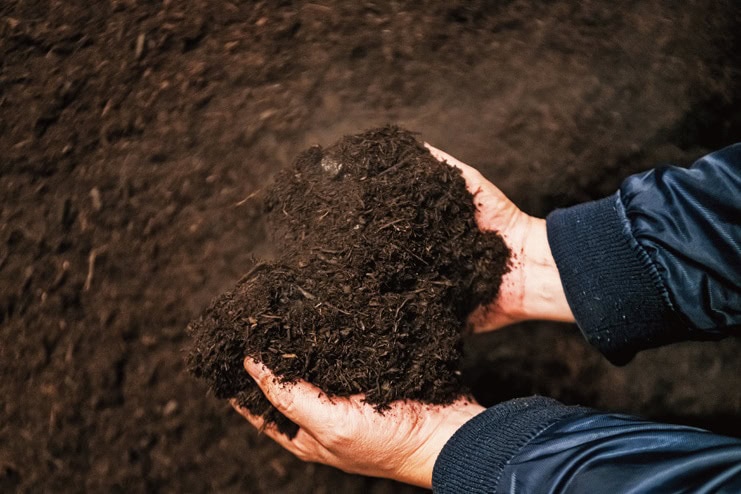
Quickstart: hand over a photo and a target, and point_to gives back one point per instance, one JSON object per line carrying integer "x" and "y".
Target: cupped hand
{"x": 532, "y": 288}
{"x": 402, "y": 443}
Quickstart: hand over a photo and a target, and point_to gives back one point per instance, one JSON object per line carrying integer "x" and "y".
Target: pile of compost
{"x": 381, "y": 262}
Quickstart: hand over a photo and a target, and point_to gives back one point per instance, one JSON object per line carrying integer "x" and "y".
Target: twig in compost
{"x": 90, "y": 269}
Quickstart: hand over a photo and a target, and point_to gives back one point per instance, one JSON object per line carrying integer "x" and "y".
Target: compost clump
{"x": 380, "y": 262}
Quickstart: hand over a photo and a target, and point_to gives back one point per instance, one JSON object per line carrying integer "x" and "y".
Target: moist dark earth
{"x": 381, "y": 261}
{"x": 133, "y": 135}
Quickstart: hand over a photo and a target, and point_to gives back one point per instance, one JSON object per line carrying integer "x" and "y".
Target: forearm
{"x": 539, "y": 445}
{"x": 658, "y": 262}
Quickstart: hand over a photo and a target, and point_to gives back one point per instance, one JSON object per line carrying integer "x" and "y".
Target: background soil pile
{"x": 381, "y": 261}
{"x": 132, "y": 132}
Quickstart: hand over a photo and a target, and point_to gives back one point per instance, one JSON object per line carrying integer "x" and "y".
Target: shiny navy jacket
{"x": 656, "y": 263}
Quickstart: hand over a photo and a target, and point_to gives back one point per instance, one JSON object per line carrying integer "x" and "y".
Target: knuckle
{"x": 302, "y": 455}
{"x": 278, "y": 393}
{"x": 303, "y": 451}
{"x": 339, "y": 437}
{"x": 265, "y": 381}
{"x": 283, "y": 399}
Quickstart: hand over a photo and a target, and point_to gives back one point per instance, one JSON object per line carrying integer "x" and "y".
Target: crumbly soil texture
{"x": 135, "y": 136}
{"x": 382, "y": 262}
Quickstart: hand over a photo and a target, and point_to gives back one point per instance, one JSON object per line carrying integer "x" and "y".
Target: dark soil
{"x": 132, "y": 132}
{"x": 381, "y": 264}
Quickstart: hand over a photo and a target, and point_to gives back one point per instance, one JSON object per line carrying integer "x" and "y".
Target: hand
{"x": 532, "y": 289}
{"x": 347, "y": 433}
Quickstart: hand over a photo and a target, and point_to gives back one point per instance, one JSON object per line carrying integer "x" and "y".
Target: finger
{"x": 441, "y": 155}
{"x": 300, "y": 445}
{"x": 301, "y": 402}
{"x": 256, "y": 420}
{"x": 475, "y": 181}
{"x": 470, "y": 174}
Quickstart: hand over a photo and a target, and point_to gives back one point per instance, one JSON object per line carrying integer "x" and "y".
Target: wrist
{"x": 437, "y": 425}
{"x": 532, "y": 289}
{"x": 542, "y": 295}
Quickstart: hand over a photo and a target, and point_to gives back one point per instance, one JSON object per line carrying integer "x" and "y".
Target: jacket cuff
{"x": 474, "y": 458}
{"x": 612, "y": 286}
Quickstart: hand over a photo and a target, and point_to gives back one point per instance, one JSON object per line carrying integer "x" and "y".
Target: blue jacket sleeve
{"x": 537, "y": 445}
{"x": 657, "y": 262}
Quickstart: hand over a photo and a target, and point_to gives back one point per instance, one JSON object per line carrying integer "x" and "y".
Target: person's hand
{"x": 347, "y": 433}
{"x": 532, "y": 289}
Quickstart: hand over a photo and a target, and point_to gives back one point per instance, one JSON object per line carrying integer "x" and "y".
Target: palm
{"x": 495, "y": 212}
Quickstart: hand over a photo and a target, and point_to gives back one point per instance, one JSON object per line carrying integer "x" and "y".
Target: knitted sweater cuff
{"x": 474, "y": 458}
{"x": 612, "y": 286}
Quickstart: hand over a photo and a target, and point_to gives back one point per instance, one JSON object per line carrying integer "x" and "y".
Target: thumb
{"x": 301, "y": 401}
{"x": 256, "y": 369}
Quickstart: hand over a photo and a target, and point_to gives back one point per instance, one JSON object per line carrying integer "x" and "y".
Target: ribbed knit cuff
{"x": 614, "y": 290}
{"x": 473, "y": 460}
